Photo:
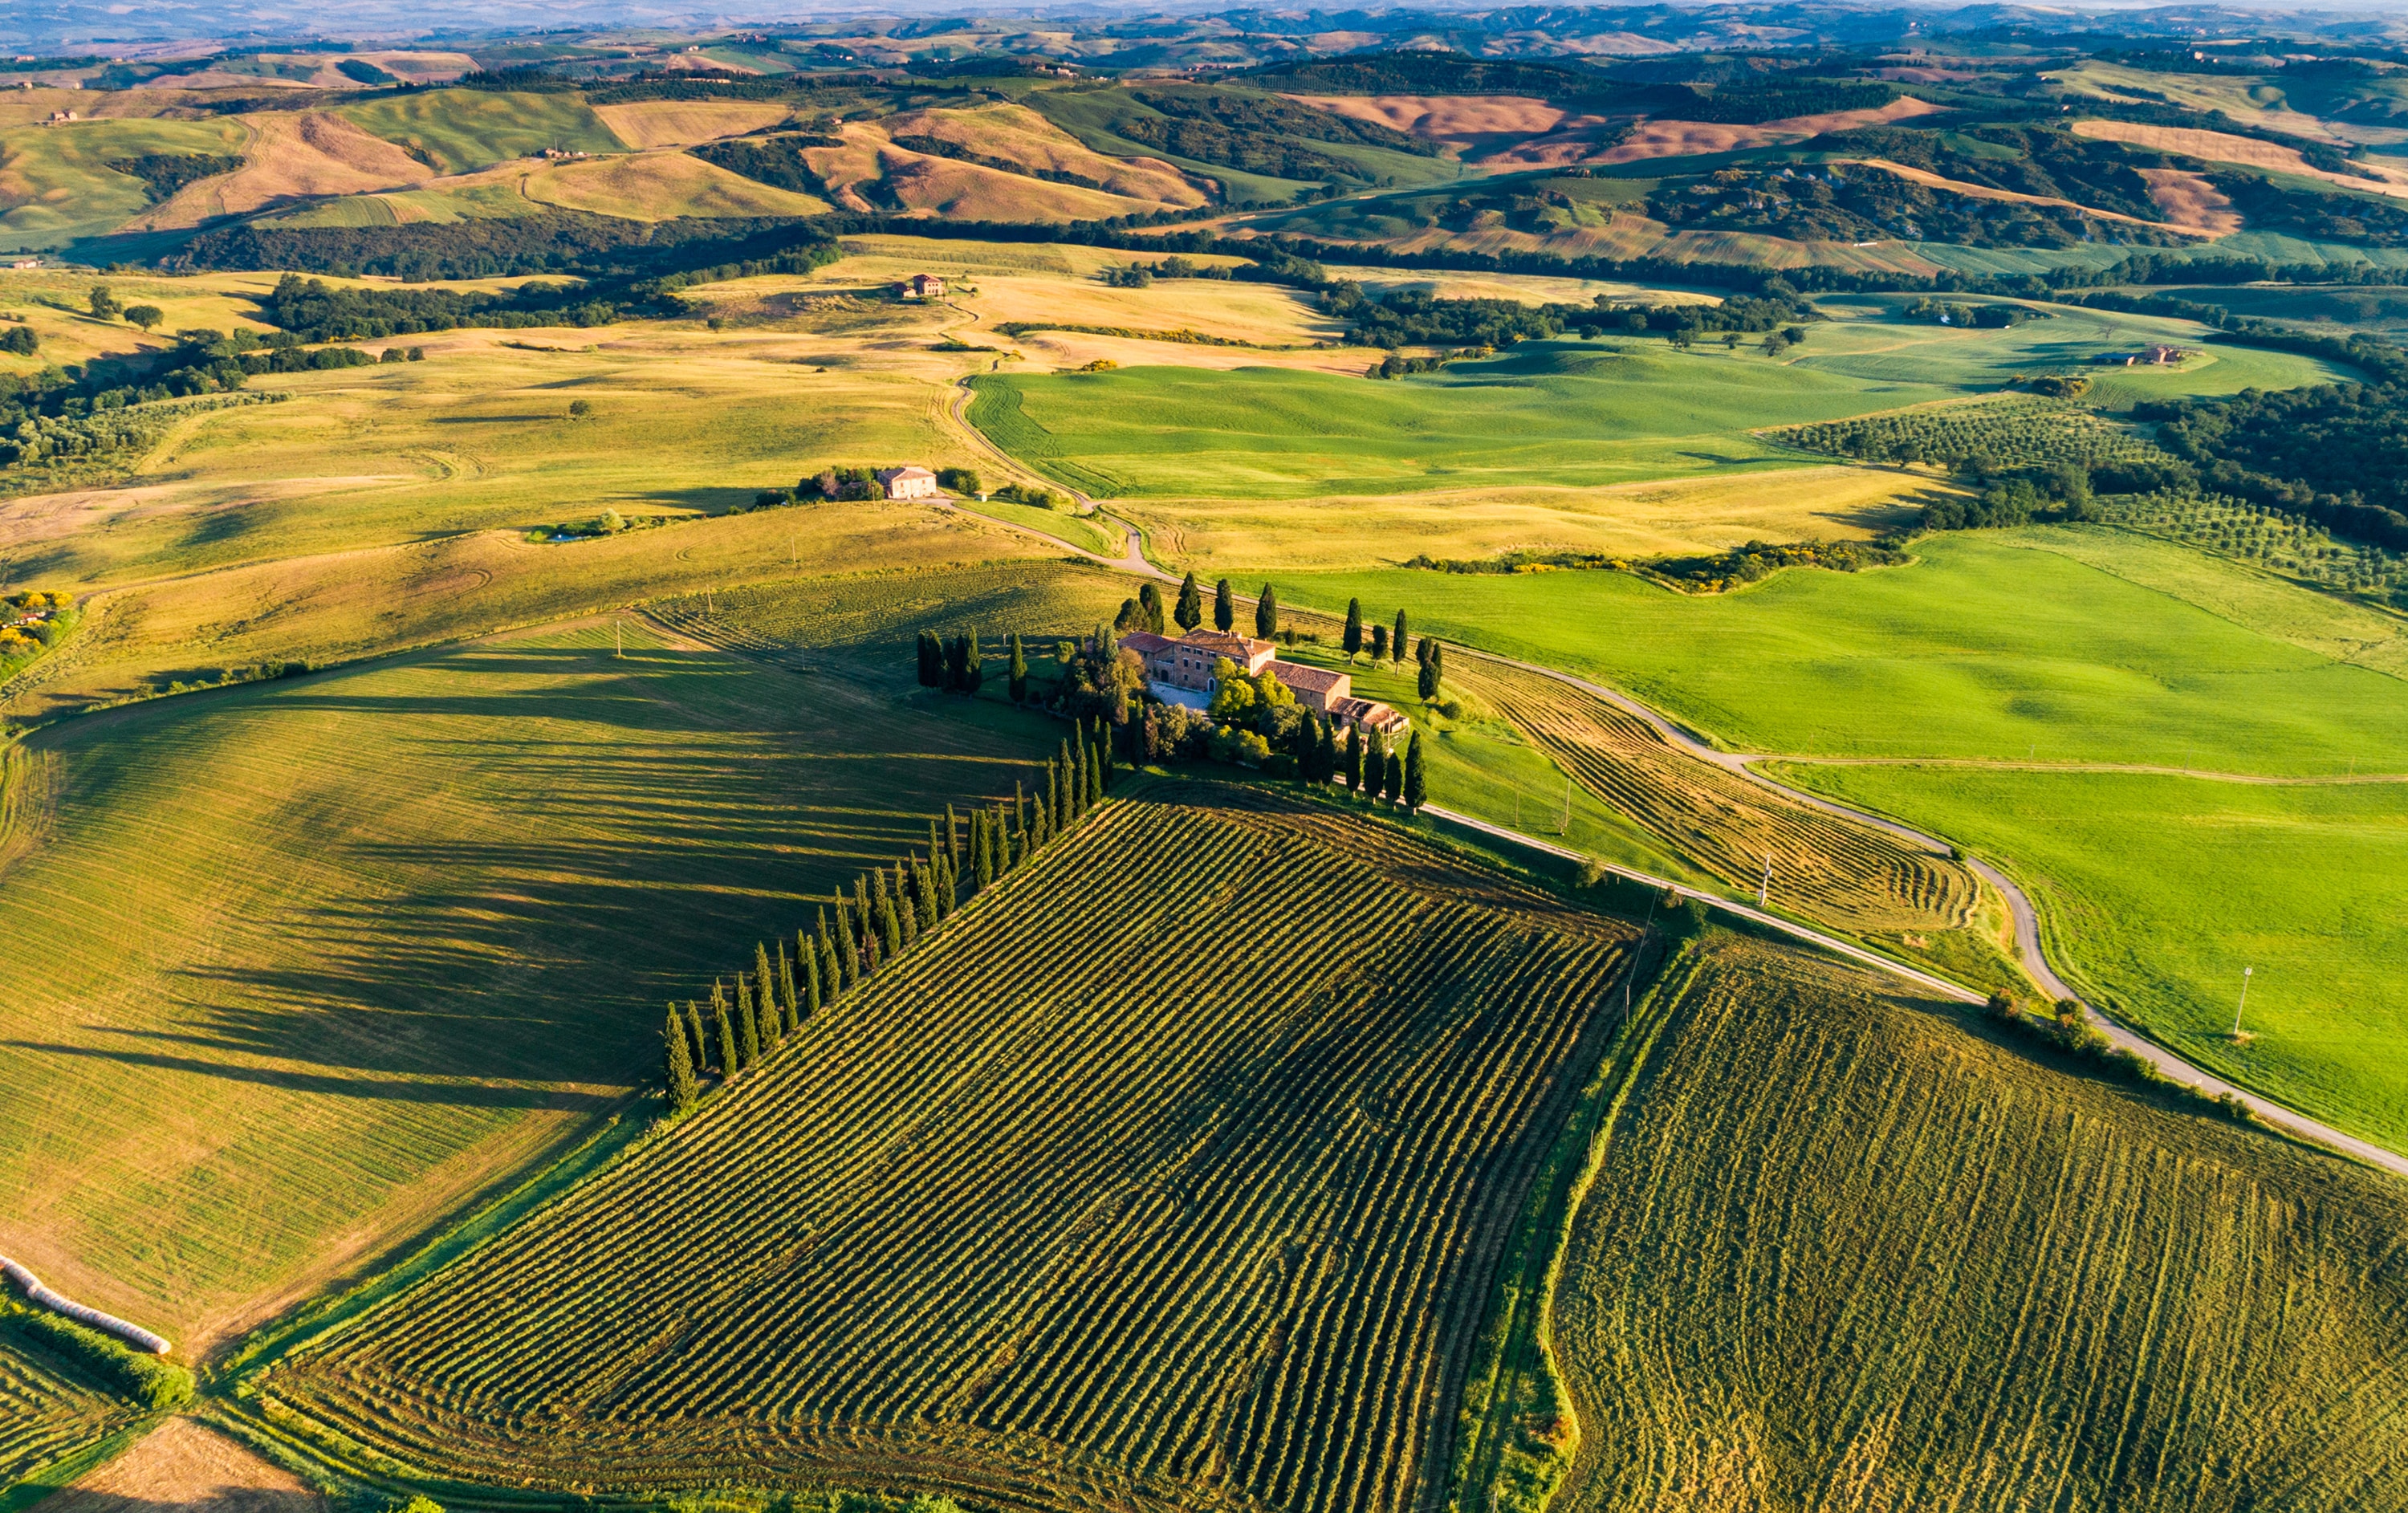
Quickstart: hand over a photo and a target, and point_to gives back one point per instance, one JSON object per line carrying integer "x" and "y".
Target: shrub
{"x": 145, "y": 1379}
{"x": 958, "y": 480}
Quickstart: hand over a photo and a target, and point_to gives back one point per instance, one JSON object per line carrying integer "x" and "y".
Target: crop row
{"x": 2011, "y": 432}
{"x": 46, "y": 1413}
{"x": 1834, "y": 869}
{"x": 1841, "y": 1253}
{"x": 1170, "y": 1173}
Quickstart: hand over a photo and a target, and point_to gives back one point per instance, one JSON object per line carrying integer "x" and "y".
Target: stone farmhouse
{"x": 1186, "y": 663}
{"x": 908, "y": 482}
{"x": 922, "y": 286}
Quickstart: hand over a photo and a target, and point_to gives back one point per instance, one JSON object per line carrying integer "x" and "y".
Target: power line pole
{"x": 1765, "y": 887}
{"x": 2245, "y": 1001}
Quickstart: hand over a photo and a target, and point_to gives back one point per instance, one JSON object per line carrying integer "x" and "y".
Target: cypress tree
{"x": 1190, "y": 613}
{"x": 807, "y": 957}
{"x": 1353, "y": 640}
{"x": 767, "y": 988}
{"x": 924, "y": 881}
{"x": 788, "y": 999}
{"x": 952, "y": 834}
{"x": 1394, "y": 776}
{"x": 1397, "y": 642}
{"x": 1074, "y": 752}
{"x": 728, "y": 1065}
{"x": 1267, "y": 615}
{"x": 1224, "y": 606}
{"x": 981, "y": 849}
{"x": 694, "y": 1028}
{"x": 1019, "y": 671}
{"x": 1416, "y": 786}
{"x": 747, "y": 1029}
{"x": 677, "y": 1074}
{"x": 870, "y": 955}
{"x": 1020, "y": 803}
{"x": 1433, "y": 669}
{"x": 846, "y": 952}
{"x": 1422, "y": 651}
{"x": 1375, "y": 767}
{"x": 1353, "y": 770}
{"x": 831, "y": 983}
{"x": 1099, "y": 766}
{"x": 931, "y": 661}
{"x": 973, "y": 665}
{"x": 764, "y": 1008}
{"x": 1149, "y": 606}
{"x": 1379, "y": 644}
{"x": 891, "y": 927}
{"x": 1044, "y": 830}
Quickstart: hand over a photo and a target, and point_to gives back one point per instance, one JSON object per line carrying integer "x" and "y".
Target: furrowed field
{"x": 296, "y": 968}
{"x": 1836, "y": 1250}
{"x": 50, "y": 1415}
{"x": 1171, "y": 1174}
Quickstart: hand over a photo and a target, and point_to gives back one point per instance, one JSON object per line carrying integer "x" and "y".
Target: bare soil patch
{"x": 184, "y": 1466}
{"x": 291, "y": 156}
{"x": 2223, "y": 147}
{"x": 2190, "y": 200}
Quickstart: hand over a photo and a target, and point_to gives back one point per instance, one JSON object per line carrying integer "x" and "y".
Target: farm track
{"x": 1171, "y": 1174}
{"x": 2030, "y": 943}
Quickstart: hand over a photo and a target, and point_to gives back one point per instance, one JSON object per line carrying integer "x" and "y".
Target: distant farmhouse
{"x": 2155, "y": 355}
{"x": 1185, "y": 666}
{"x": 908, "y": 482}
{"x": 922, "y": 286}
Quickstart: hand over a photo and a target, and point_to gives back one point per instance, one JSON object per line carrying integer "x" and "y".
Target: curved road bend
{"x": 2027, "y": 919}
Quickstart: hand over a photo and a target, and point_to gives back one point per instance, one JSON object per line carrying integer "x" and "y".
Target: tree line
{"x": 889, "y": 910}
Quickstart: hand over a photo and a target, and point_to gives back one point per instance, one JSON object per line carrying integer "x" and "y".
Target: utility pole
{"x": 2245, "y": 1001}
{"x": 1765, "y": 887}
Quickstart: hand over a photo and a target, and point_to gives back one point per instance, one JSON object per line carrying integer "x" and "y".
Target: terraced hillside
{"x": 1837, "y": 1252}
{"x": 1171, "y": 1175}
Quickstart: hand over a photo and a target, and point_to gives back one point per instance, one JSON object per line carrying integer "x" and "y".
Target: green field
{"x": 1567, "y": 411}
{"x": 2157, "y": 891}
{"x": 1839, "y": 1251}
{"x": 52, "y": 1414}
{"x": 1091, "y": 1196}
{"x": 1997, "y": 645}
{"x": 461, "y": 131}
{"x": 298, "y": 967}
{"x": 56, "y": 185}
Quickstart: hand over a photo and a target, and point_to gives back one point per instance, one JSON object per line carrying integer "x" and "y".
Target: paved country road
{"x": 2027, "y": 919}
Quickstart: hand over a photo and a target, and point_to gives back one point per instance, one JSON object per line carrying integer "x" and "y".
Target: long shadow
{"x": 462, "y": 1095}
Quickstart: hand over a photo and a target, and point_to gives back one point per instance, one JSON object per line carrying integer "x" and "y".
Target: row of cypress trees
{"x": 954, "y": 663}
{"x": 887, "y": 912}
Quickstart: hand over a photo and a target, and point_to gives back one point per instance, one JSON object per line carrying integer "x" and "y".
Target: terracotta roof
{"x": 1363, "y": 711}
{"x": 1145, "y": 643}
{"x": 1235, "y": 648}
{"x": 1297, "y": 675}
{"x": 888, "y": 474}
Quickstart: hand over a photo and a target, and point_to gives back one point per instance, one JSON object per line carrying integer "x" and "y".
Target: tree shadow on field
{"x": 458, "y": 1094}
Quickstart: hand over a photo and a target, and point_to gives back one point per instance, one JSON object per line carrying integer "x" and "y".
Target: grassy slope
{"x": 1995, "y": 645}
{"x": 1839, "y": 1251}
{"x": 49, "y": 1412}
{"x": 54, "y": 184}
{"x": 661, "y": 186}
{"x": 1573, "y": 412}
{"x": 1056, "y": 1209}
{"x": 461, "y": 131}
{"x": 2159, "y": 890}
{"x": 297, "y": 967}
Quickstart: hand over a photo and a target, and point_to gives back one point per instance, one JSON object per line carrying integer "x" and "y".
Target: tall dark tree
{"x": 789, "y": 1002}
{"x": 729, "y": 1062}
{"x": 973, "y": 665}
{"x": 1019, "y": 671}
{"x": 766, "y": 985}
{"x": 953, "y": 833}
{"x": 1353, "y": 641}
{"x": 701, "y": 1045}
{"x": 764, "y": 1010}
{"x": 1224, "y": 606}
{"x": 1397, "y": 641}
{"x": 1416, "y": 785}
{"x": 890, "y": 927}
{"x": 1190, "y": 612}
{"x": 980, "y": 857}
{"x": 1149, "y": 604}
{"x": 1393, "y": 776}
{"x": 1379, "y": 643}
{"x": 677, "y": 1072}
{"x": 1267, "y": 615}
{"x": 1020, "y": 805}
{"x": 931, "y": 661}
{"x": 1375, "y": 767}
{"x": 807, "y": 957}
{"x": 1076, "y": 754}
{"x": 1353, "y": 773}
{"x": 827, "y": 969}
{"x": 848, "y": 950}
{"x": 747, "y": 1029}
{"x": 1433, "y": 669}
